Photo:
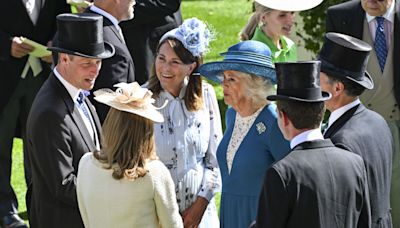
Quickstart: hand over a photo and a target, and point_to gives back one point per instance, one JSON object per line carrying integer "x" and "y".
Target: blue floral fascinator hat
{"x": 252, "y": 57}
{"x": 193, "y": 34}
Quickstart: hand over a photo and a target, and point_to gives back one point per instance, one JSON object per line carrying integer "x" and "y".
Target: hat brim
{"x": 149, "y": 113}
{"x": 109, "y": 51}
{"x": 366, "y": 81}
{"x": 324, "y": 96}
{"x": 214, "y": 71}
{"x": 290, "y": 5}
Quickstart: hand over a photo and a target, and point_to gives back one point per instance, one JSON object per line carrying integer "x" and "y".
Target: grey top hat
{"x": 82, "y": 35}
{"x": 343, "y": 56}
{"x": 299, "y": 81}
{"x": 252, "y": 57}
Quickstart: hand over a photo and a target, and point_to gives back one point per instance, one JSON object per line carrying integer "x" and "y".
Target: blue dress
{"x": 257, "y": 152}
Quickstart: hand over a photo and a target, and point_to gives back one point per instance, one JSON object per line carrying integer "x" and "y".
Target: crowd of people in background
{"x": 119, "y": 128}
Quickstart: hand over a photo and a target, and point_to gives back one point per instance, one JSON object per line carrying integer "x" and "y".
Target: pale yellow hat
{"x": 130, "y": 97}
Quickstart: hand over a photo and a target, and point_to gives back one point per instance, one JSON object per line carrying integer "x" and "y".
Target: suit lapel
{"x": 109, "y": 24}
{"x": 73, "y": 111}
{"x": 25, "y": 14}
{"x": 95, "y": 117}
{"x": 340, "y": 122}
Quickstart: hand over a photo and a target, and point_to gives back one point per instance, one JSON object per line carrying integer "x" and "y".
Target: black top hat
{"x": 299, "y": 81}
{"x": 82, "y": 35}
{"x": 343, "y": 56}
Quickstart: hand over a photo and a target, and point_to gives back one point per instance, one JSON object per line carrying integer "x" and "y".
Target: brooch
{"x": 261, "y": 128}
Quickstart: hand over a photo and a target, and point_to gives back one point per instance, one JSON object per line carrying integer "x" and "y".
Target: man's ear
{"x": 284, "y": 117}
{"x": 338, "y": 88}
{"x": 62, "y": 57}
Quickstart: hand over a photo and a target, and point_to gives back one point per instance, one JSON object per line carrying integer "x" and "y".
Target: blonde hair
{"x": 248, "y": 31}
{"x": 257, "y": 88}
{"x": 193, "y": 96}
{"x": 128, "y": 141}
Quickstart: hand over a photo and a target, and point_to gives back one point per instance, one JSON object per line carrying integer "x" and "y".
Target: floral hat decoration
{"x": 130, "y": 97}
{"x": 193, "y": 34}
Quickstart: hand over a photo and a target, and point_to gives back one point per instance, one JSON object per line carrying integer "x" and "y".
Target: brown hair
{"x": 128, "y": 141}
{"x": 303, "y": 115}
{"x": 193, "y": 96}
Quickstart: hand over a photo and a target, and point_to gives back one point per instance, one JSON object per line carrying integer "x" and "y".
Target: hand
{"x": 47, "y": 59}
{"x": 193, "y": 215}
{"x": 19, "y": 49}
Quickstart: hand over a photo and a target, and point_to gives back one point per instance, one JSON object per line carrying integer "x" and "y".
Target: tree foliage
{"x": 314, "y": 25}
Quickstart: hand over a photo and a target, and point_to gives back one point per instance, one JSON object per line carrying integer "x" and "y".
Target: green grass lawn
{"x": 226, "y": 17}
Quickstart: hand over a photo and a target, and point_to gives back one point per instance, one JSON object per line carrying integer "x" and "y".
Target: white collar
{"x": 310, "y": 135}
{"x": 340, "y": 111}
{"x": 107, "y": 15}
{"x": 389, "y": 15}
{"x": 72, "y": 90}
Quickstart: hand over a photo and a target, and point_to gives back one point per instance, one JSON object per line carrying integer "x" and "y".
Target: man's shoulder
{"x": 345, "y": 6}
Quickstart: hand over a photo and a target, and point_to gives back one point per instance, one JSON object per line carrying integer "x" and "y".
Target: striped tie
{"x": 80, "y": 99}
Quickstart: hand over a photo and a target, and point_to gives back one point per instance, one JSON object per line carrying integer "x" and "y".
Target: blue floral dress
{"x": 186, "y": 143}
{"x": 242, "y": 177}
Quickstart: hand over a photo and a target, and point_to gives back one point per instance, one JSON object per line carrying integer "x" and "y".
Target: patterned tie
{"x": 80, "y": 99}
{"x": 380, "y": 42}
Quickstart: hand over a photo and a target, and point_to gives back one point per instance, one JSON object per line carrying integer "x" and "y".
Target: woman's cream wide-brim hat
{"x": 290, "y": 5}
{"x": 130, "y": 97}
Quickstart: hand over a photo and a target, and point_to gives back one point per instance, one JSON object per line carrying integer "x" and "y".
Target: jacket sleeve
{"x": 365, "y": 219}
{"x": 52, "y": 150}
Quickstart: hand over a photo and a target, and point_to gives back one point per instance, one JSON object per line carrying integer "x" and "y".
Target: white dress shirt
{"x": 310, "y": 135}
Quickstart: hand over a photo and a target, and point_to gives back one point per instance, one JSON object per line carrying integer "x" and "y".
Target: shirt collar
{"x": 389, "y": 15}
{"x": 310, "y": 135}
{"x": 340, "y": 111}
{"x": 107, "y": 15}
{"x": 72, "y": 90}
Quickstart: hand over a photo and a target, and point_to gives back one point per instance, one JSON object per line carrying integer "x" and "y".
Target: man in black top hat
{"x": 316, "y": 184}
{"x": 353, "y": 127}
{"x": 120, "y": 67}
{"x": 62, "y": 124}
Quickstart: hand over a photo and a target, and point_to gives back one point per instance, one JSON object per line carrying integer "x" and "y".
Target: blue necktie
{"x": 81, "y": 104}
{"x": 380, "y": 42}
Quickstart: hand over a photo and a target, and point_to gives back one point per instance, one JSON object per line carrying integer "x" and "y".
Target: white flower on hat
{"x": 130, "y": 97}
{"x": 193, "y": 34}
